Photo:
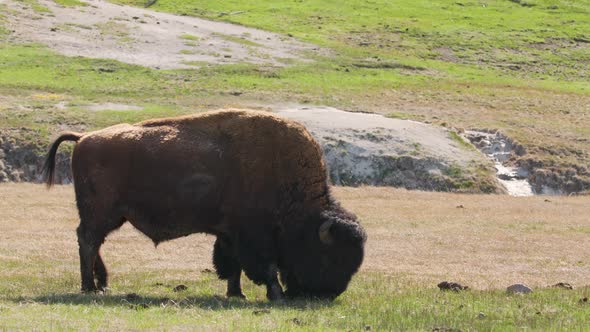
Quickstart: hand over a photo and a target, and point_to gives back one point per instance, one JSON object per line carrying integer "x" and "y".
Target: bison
{"x": 254, "y": 180}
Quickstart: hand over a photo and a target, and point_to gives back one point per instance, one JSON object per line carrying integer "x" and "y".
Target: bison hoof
{"x": 238, "y": 295}
{"x": 274, "y": 293}
{"x": 88, "y": 290}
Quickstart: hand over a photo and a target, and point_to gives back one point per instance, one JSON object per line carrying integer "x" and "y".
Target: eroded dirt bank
{"x": 360, "y": 149}
{"x": 366, "y": 149}
{"x": 523, "y": 176}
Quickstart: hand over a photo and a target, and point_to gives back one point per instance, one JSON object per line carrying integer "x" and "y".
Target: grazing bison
{"x": 256, "y": 181}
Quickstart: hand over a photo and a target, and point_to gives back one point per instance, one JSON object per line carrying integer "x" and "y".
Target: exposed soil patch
{"x": 148, "y": 38}
{"x": 112, "y": 106}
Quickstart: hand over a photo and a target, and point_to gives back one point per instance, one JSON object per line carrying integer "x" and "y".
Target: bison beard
{"x": 256, "y": 181}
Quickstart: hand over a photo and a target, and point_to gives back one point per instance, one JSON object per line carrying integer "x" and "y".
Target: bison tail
{"x": 49, "y": 166}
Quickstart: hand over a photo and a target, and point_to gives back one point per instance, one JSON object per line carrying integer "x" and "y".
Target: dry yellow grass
{"x": 491, "y": 242}
{"x": 425, "y": 237}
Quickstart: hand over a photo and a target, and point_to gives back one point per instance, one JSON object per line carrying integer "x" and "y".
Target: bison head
{"x": 320, "y": 256}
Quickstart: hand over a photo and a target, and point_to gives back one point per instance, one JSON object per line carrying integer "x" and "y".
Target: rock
{"x": 15, "y": 176}
{"x": 180, "y": 288}
{"x": 519, "y": 289}
{"x": 3, "y": 176}
{"x": 445, "y": 285}
{"x": 2, "y": 167}
{"x": 481, "y": 315}
{"x": 563, "y": 285}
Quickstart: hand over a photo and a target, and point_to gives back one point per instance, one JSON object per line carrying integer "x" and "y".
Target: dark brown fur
{"x": 254, "y": 180}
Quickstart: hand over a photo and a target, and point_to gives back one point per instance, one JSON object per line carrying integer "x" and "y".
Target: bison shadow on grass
{"x": 208, "y": 302}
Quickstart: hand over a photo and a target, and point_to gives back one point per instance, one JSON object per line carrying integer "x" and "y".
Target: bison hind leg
{"x": 91, "y": 235}
{"x": 227, "y": 266}
{"x": 88, "y": 249}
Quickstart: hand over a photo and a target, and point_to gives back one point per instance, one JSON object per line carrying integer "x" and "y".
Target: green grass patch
{"x": 460, "y": 140}
{"x": 189, "y": 37}
{"x": 70, "y": 3}
{"x": 373, "y": 302}
{"x": 34, "y": 4}
{"x": 31, "y": 67}
{"x": 187, "y": 52}
{"x": 474, "y": 35}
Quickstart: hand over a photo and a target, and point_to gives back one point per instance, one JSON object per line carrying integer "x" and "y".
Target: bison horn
{"x": 324, "y": 232}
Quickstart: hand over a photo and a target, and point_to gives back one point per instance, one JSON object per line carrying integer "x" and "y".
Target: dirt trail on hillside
{"x": 148, "y": 38}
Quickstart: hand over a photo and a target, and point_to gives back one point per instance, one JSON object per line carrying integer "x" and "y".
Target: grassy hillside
{"x": 416, "y": 239}
{"x": 541, "y": 40}
{"x": 516, "y": 66}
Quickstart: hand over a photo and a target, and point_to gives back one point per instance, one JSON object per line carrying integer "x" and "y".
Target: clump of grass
{"x": 36, "y": 6}
{"x": 190, "y": 37}
{"x": 459, "y": 139}
{"x": 237, "y": 40}
{"x": 115, "y": 29}
{"x": 70, "y": 3}
{"x": 399, "y": 115}
{"x": 187, "y": 52}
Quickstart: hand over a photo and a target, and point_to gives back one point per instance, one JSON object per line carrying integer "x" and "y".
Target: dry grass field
{"x": 490, "y": 242}
{"x": 416, "y": 239}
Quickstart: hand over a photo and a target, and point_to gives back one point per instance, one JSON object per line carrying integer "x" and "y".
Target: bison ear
{"x": 324, "y": 232}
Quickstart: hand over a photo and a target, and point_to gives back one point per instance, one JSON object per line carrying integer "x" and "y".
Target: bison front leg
{"x": 274, "y": 291}
{"x": 227, "y": 266}
{"x": 257, "y": 255}
{"x": 100, "y": 273}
